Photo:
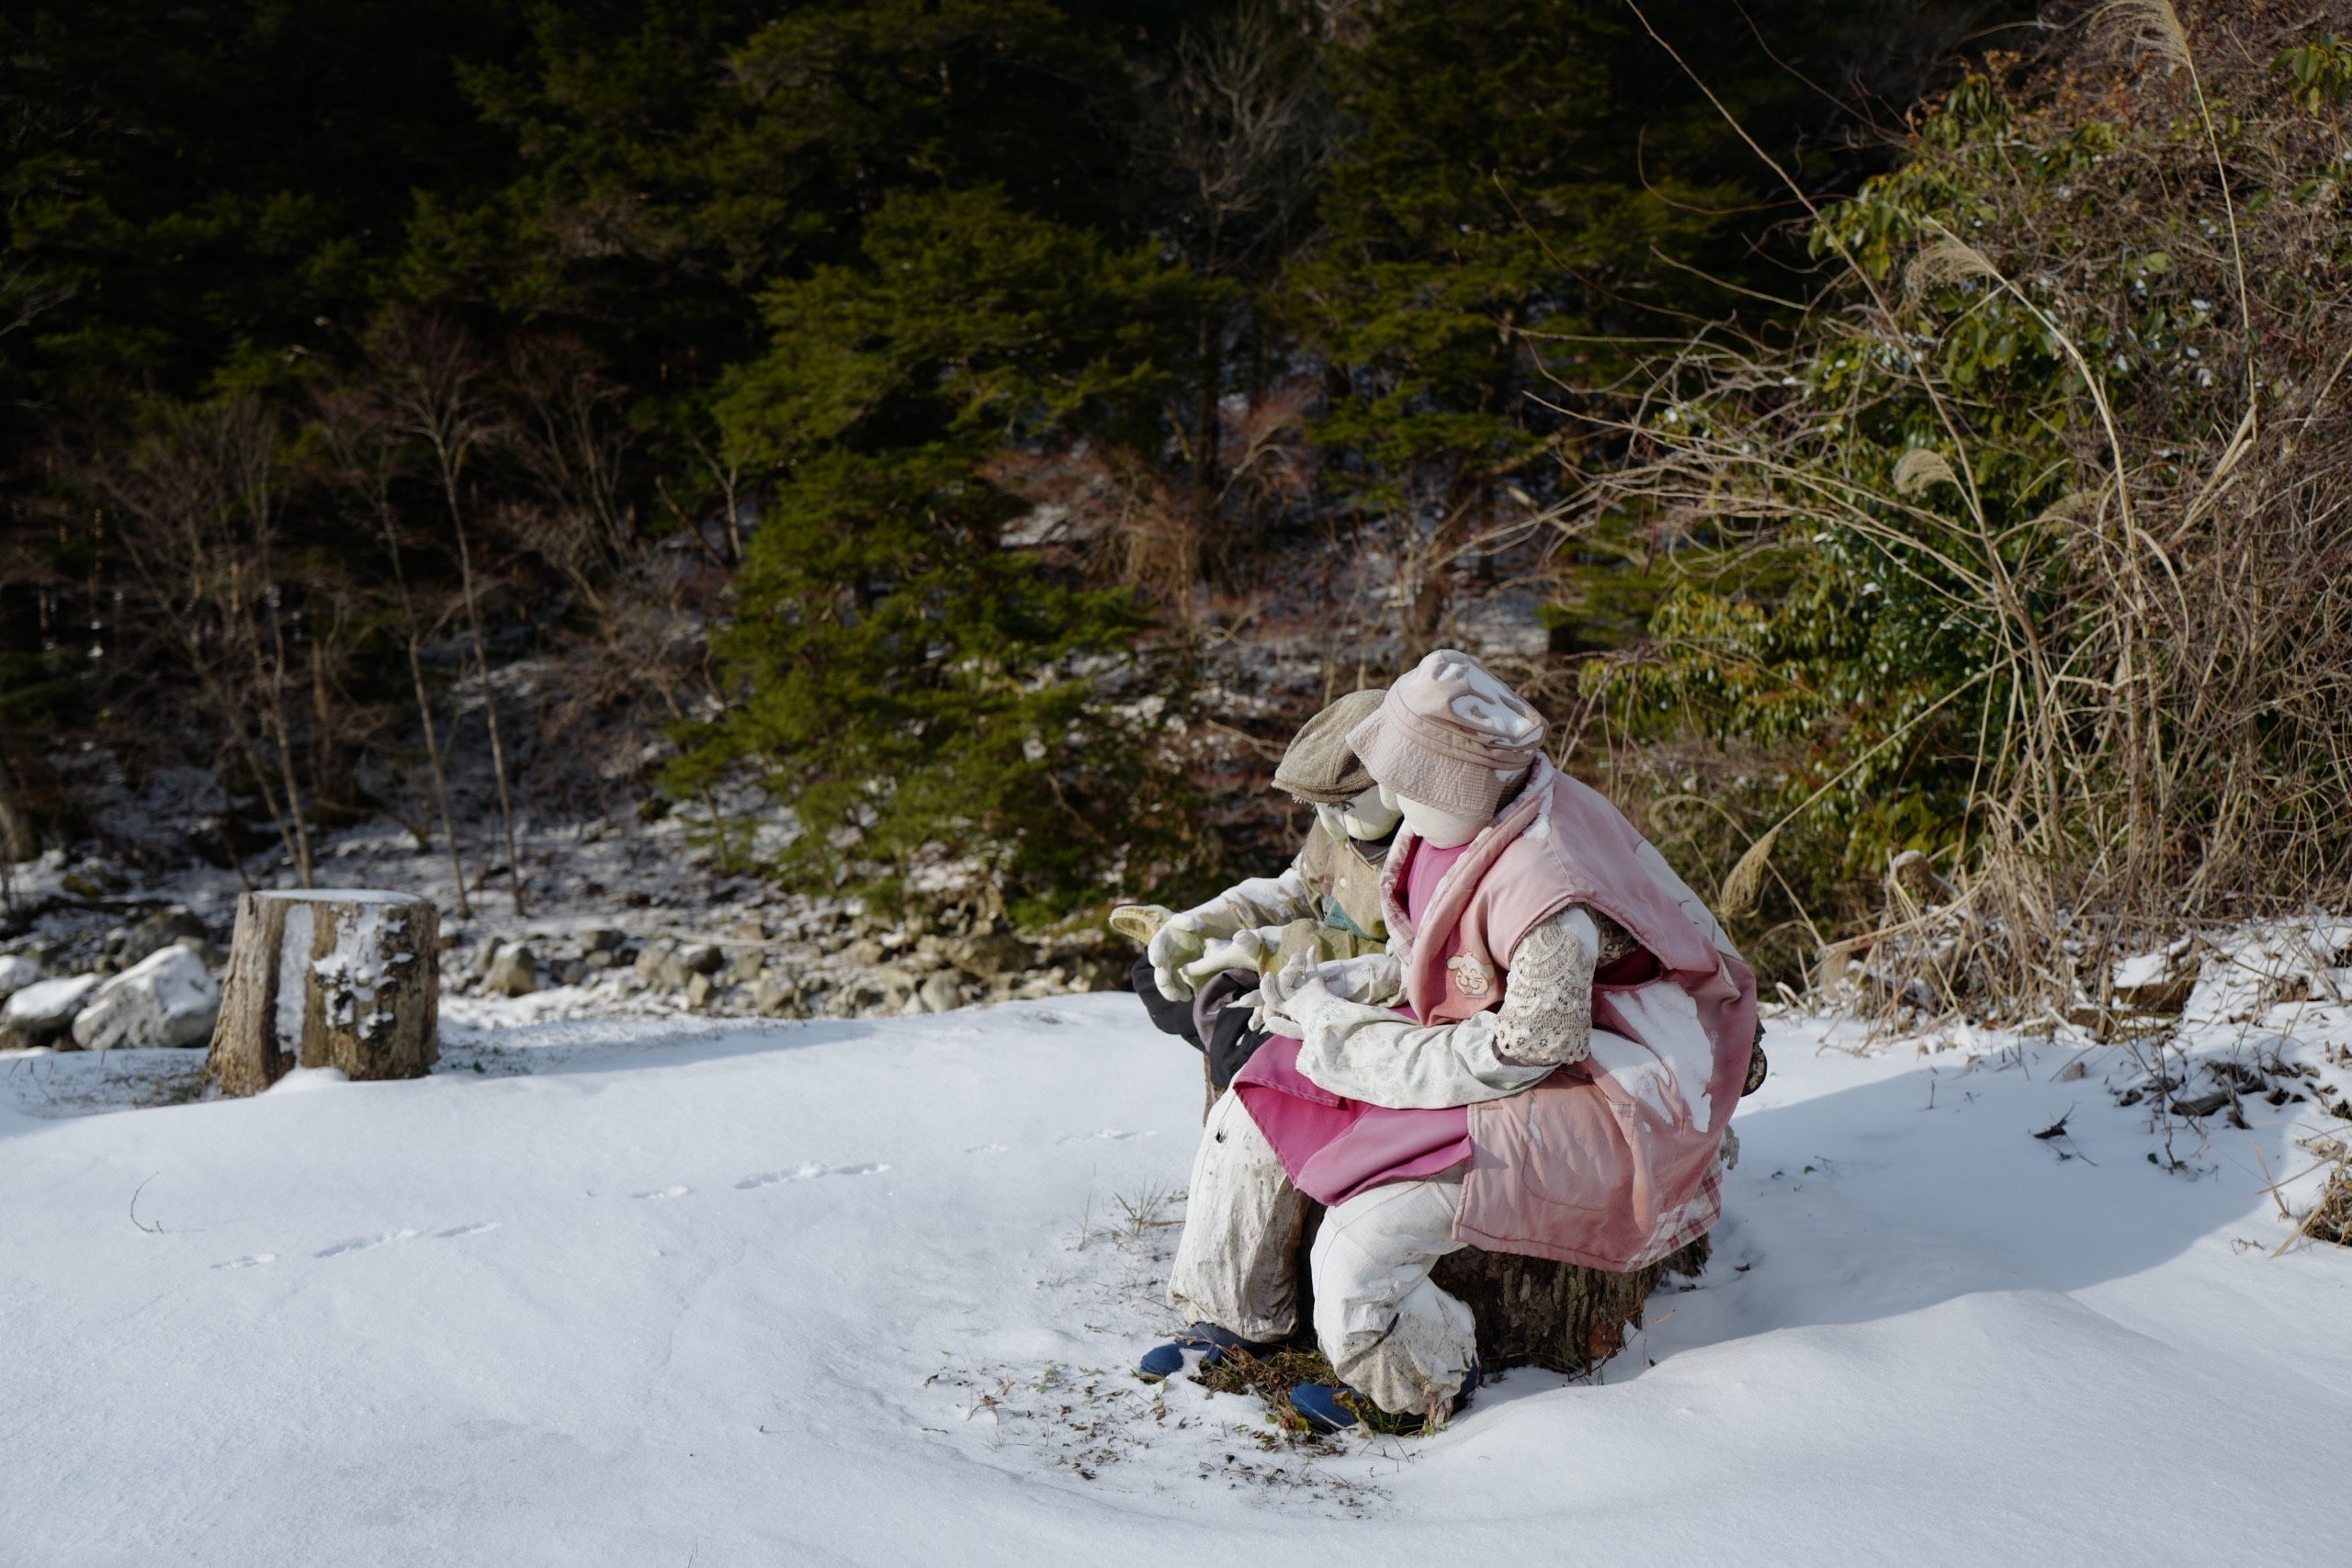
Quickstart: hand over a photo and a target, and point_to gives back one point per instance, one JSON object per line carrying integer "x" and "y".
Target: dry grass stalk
{"x": 2330, "y": 1219}
{"x": 2166, "y": 701}
{"x": 1746, "y": 880}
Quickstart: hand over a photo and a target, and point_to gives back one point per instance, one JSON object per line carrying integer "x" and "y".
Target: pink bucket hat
{"x": 1449, "y": 735}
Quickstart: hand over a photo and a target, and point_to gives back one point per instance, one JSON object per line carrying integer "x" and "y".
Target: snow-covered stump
{"x": 348, "y": 979}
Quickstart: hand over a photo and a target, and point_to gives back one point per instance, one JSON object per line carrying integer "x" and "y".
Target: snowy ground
{"x": 863, "y": 1292}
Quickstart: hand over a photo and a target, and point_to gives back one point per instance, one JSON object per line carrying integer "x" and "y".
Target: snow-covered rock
{"x": 894, "y": 986}
{"x": 47, "y": 1006}
{"x": 2158, "y": 982}
{"x": 939, "y": 993}
{"x": 17, "y": 971}
{"x": 772, "y": 997}
{"x": 485, "y": 954}
{"x": 165, "y": 1000}
{"x": 514, "y": 973}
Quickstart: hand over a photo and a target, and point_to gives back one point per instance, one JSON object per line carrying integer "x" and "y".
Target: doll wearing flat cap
{"x": 1202, "y": 969}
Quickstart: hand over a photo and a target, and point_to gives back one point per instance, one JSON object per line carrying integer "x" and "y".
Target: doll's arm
{"x": 1371, "y": 1054}
{"x": 1185, "y": 939}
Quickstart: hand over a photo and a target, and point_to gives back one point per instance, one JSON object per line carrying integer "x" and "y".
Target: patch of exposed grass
{"x": 179, "y": 1084}
{"x": 1147, "y": 1211}
{"x": 2330, "y": 1219}
{"x": 1271, "y": 1379}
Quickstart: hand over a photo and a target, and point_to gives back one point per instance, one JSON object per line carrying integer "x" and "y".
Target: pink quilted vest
{"x": 1610, "y": 1163}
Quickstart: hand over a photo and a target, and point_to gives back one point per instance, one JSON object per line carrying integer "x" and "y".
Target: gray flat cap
{"x": 1318, "y": 766}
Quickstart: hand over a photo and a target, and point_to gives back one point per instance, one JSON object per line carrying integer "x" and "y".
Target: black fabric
{"x": 1231, "y": 1040}
{"x": 1231, "y": 1045}
{"x": 1169, "y": 1018}
{"x": 1638, "y": 967}
{"x": 1757, "y": 1066}
{"x": 1223, "y": 1019}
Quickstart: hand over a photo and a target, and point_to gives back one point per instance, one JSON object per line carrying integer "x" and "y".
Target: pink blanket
{"x": 1333, "y": 1147}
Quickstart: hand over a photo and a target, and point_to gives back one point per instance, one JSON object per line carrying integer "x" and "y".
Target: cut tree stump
{"x": 348, "y": 978}
{"x": 1532, "y": 1311}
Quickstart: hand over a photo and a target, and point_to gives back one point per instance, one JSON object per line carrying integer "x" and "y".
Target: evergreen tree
{"x": 907, "y": 679}
{"x": 897, "y": 276}
{"x": 1484, "y": 231}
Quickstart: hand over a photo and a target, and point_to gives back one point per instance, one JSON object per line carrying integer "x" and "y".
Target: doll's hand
{"x": 1375, "y": 979}
{"x": 1244, "y": 950}
{"x": 1290, "y": 993}
{"x": 1179, "y": 942}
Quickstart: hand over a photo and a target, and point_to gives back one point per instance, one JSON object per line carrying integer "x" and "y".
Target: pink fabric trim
{"x": 1425, "y": 872}
{"x": 1333, "y": 1147}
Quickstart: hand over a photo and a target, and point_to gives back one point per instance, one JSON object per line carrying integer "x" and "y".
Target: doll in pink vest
{"x": 1544, "y": 1062}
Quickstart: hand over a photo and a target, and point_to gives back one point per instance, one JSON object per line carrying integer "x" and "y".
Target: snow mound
{"x": 866, "y": 1292}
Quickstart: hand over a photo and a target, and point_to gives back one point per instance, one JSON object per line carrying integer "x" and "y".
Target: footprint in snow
{"x": 660, "y": 1192}
{"x": 1108, "y": 1135}
{"x": 255, "y": 1261}
{"x": 368, "y": 1243}
{"x": 455, "y": 1231}
{"x": 806, "y": 1170}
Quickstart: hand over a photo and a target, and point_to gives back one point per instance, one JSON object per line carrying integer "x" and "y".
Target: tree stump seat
{"x": 1562, "y": 1317}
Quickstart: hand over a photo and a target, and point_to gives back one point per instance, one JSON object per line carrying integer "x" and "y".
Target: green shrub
{"x": 2019, "y": 554}
{"x": 913, "y": 688}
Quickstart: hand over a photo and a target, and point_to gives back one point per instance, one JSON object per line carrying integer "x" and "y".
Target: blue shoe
{"x": 1167, "y": 1361}
{"x": 1319, "y": 1404}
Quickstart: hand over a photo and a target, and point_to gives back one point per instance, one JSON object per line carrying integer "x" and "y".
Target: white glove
{"x": 1180, "y": 944}
{"x": 1257, "y": 903}
{"x": 1304, "y": 989}
{"x": 1285, "y": 993}
{"x": 1376, "y": 978}
{"x": 1243, "y": 950}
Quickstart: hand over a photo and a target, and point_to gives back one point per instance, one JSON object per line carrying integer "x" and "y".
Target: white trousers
{"x": 1389, "y": 1332}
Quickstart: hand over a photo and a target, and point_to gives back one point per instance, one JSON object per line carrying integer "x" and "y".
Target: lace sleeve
{"x": 1546, "y": 1016}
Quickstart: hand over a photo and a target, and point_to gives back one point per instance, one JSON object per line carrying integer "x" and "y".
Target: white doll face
{"x": 1370, "y": 816}
{"x": 1441, "y": 828}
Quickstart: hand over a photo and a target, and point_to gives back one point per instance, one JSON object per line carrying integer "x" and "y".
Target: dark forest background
{"x": 979, "y": 431}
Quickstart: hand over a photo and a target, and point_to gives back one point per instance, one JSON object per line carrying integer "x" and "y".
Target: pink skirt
{"x": 1333, "y": 1148}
